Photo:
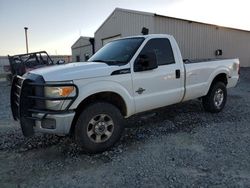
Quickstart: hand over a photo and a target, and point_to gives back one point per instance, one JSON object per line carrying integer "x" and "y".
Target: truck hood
{"x": 74, "y": 71}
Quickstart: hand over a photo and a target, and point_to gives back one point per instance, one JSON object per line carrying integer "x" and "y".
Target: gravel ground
{"x": 176, "y": 146}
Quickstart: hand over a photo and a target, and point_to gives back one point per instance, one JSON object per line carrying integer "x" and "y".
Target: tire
{"x": 216, "y": 98}
{"x": 98, "y": 127}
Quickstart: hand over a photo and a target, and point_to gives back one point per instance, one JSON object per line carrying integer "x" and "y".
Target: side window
{"x": 162, "y": 49}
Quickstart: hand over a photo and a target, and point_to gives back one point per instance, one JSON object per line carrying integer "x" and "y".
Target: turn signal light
{"x": 65, "y": 91}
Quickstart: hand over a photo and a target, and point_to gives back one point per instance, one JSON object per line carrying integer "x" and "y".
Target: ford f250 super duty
{"x": 91, "y": 99}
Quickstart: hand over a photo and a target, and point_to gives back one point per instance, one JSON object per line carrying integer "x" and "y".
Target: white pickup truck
{"x": 91, "y": 99}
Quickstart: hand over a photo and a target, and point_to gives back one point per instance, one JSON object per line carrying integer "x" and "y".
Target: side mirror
{"x": 61, "y": 61}
{"x": 145, "y": 62}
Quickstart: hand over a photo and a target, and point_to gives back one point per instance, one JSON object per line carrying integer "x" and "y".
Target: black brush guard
{"x": 27, "y": 98}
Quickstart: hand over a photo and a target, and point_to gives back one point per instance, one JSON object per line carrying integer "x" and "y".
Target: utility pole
{"x": 26, "y": 38}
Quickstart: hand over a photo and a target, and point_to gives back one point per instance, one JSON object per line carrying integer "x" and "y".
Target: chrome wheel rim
{"x": 218, "y": 97}
{"x": 100, "y": 128}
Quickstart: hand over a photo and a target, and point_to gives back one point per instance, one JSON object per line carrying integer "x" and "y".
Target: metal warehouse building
{"x": 196, "y": 40}
{"x": 82, "y": 49}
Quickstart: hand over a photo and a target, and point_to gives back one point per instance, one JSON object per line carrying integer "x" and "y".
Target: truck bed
{"x": 200, "y": 73}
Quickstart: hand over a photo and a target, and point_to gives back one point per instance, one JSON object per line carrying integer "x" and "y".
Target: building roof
{"x": 80, "y": 38}
{"x": 124, "y": 10}
{"x": 158, "y": 15}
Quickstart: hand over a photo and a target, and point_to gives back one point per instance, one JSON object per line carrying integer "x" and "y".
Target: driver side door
{"x": 161, "y": 86}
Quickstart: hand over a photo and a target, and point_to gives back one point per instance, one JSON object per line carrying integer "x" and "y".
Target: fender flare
{"x": 220, "y": 70}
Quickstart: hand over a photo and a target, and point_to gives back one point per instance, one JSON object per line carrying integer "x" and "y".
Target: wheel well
{"x": 220, "y": 78}
{"x": 109, "y": 97}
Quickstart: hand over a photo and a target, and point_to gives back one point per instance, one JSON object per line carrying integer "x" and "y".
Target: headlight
{"x": 62, "y": 91}
{"x": 58, "y": 92}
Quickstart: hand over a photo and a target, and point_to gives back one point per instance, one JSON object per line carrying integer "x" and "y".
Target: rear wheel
{"x": 216, "y": 98}
{"x": 99, "y": 127}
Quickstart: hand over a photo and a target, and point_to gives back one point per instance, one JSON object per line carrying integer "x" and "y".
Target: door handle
{"x": 177, "y": 73}
{"x": 140, "y": 91}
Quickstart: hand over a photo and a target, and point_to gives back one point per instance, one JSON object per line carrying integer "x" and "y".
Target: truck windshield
{"x": 118, "y": 52}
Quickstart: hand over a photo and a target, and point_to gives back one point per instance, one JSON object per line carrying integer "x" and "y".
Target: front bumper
{"x": 54, "y": 123}
{"x": 28, "y": 106}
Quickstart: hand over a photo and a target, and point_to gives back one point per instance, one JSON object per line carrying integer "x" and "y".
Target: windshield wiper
{"x": 99, "y": 60}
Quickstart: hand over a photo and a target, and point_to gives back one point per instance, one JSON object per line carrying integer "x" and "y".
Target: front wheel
{"x": 216, "y": 98}
{"x": 99, "y": 127}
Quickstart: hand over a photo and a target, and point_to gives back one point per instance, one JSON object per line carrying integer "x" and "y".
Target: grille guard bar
{"x": 25, "y": 83}
{"x": 27, "y": 97}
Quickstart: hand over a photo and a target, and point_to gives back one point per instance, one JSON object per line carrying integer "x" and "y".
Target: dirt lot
{"x": 175, "y": 146}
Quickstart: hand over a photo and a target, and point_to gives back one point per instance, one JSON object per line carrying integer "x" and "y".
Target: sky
{"x": 54, "y": 25}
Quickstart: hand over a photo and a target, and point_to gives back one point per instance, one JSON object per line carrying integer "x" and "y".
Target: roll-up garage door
{"x": 107, "y": 40}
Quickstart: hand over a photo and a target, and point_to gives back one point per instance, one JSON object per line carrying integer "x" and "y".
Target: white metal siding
{"x": 66, "y": 58}
{"x": 196, "y": 40}
{"x": 81, "y": 47}
{"x": 125, "y": 24}
{"x": 112, "y": 27}
{"x": 82, "y": 41}
{"x": 132, "y": 23}
{"x": 81, "y": 52}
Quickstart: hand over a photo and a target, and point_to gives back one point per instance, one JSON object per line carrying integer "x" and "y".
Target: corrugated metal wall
{"x": 123, "y": 23}
{"x": 81, "y": 52}
{"x": 66, "y": 58}
{"x": 196, "y": 40}
{"x": 132, "y": 23}
{"x": 81, "y": 47}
